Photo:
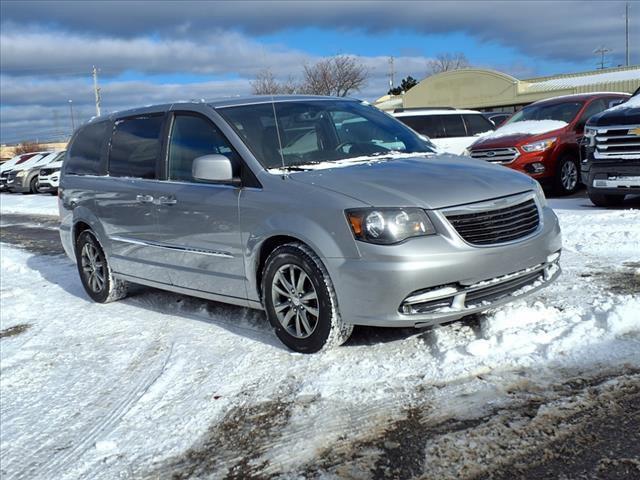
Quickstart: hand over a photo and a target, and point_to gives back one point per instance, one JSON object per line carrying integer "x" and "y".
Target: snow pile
{"x": 530, "y": 127}
{"x": 29, "y": 204}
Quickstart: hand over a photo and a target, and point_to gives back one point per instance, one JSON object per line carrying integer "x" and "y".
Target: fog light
{"x": 536, "y": 167}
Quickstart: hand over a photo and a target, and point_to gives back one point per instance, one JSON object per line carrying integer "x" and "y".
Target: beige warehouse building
{"x": 490, "y": 90}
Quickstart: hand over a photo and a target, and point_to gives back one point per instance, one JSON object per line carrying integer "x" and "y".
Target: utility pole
{"x": 626, "y": 31}
{"x": 602, "y": 51}
{"x": 391, "y": 73}
{"x": 96, "y": 90}
{"x": 73, "y": 122}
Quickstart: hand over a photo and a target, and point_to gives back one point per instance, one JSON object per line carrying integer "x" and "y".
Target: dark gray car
{"x": 326, "y": 213}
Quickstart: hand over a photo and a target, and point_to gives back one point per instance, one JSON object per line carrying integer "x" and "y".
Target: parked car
{"x": 7, "y": 166}
{"x": 451, "y": 130}
{"x": 497, "y": 118}
{"x": 611, "y": 167}
{"x": 542, "y": 140}
{"x": 325, "y": 212}
{"x": 24, "y": 177}
{"x": 49, "y": 175}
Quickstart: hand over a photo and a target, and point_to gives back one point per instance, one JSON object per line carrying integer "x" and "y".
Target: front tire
{"x": 602, "y": 200}
{"x": 33, "y": 185}
{"x": 300, "y": 301}
{"x": 95, "y": 273}
{"x": 567, "y": 179}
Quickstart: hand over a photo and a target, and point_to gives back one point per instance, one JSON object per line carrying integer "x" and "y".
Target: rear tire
{"x": 300, "y": 300}
{"x": 567, "y": 179}
{"x": 603, "y": 200}
{"x": 94, "y": 270}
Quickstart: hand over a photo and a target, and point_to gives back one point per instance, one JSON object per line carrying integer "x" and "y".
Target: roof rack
{"x": 398, "y": 110}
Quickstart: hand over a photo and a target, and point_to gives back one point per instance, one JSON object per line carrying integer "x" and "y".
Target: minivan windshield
{"x": 316, "y": 131}
{"x": 564, "y": 112}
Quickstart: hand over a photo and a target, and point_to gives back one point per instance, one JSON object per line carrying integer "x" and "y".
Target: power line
{"x": 602, "y": 51}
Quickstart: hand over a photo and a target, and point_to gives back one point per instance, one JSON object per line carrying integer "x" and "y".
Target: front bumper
{"x": 18, "y": 185}
{"x": 374, "y": 289}
{"x": 613, "y": 178}
{"x": 49, "y": 183}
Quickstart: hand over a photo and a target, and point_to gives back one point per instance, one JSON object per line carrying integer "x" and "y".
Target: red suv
{"x": 542, "y": 140}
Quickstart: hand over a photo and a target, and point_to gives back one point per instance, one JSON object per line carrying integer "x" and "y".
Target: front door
{"x": 198, "y": 223}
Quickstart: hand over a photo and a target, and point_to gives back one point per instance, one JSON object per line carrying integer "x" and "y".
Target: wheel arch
{"x": 264, "y": 250}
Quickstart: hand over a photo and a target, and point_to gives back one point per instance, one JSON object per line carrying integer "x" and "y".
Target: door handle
{"x": 144, "y": 198}
{"x": 166, "y": 200}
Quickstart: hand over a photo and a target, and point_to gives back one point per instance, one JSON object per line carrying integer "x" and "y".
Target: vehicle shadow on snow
{"x": 245, "y": 322}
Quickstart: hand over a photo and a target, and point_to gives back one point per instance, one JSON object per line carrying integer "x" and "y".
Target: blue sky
{"x": 151, "y": 52}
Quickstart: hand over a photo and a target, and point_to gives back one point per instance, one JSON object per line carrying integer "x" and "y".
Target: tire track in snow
{"x": 58, "y": 463}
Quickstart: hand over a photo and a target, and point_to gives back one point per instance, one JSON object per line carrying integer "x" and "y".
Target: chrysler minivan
{"x": 325, "y": 212}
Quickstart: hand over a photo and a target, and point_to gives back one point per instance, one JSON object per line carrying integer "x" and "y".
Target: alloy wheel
{"x": 295, "y": 301}
{"x": 93, "y": 267}
{"x": 569, "y": 175}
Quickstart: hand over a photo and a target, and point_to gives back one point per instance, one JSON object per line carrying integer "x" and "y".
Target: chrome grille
{"x": 618, "y": 141}
{"x": 498, "y": 225}
{"x": 496, "y": 155}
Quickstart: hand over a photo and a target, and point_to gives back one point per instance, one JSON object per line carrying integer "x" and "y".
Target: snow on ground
{"x": 29, "y": 204}
{"x": 162, "y": 384}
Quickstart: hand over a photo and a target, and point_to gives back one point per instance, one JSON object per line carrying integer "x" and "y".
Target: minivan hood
{"x": 428, "y": 182}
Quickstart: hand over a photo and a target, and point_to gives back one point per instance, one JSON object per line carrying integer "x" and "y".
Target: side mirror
{"x": 212, "y": 168}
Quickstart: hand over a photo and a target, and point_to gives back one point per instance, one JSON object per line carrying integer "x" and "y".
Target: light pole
{"x": 73, "y": 122}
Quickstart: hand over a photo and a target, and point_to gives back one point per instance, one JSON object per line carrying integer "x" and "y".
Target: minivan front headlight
{"x": 542, "y": 200}
{"x": 386, "y": 226}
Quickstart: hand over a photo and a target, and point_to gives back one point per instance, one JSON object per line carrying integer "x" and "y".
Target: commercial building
{"x": 490, "y": 90}
{"x": 8, "y": 151}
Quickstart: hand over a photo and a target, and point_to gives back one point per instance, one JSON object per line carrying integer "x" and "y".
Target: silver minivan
{"x": 325, "y": 212}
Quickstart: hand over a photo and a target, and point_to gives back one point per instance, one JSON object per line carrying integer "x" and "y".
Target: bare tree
{"x": 27, "y": 147}
{"x": 338, "y": 76}
{"x": 266, "y": 84}
{"x": 445, "y": 62}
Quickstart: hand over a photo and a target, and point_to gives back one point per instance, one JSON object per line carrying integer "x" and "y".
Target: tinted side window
{"x": 477, "y": 124}
{"x": 429, "y": 125}
{"x": 85, "y": 152}
{"x": 135, "y": 147}
{"x": 453, "y": 126}
{"x": 192, "y": 137}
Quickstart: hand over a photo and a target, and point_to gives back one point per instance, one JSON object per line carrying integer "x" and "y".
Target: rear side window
{"x": 85, "y": 153}
{"x": 135, "y": 147}
{"x": 477, "y": 124}
{"x": 453, "y": 126}
{"x": 429, "y": 125}
{"x": 192, "y": 137}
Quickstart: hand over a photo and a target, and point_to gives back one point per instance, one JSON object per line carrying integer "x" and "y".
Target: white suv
{"x": 49, "y": 176}
{"x": 450, "y": 129}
